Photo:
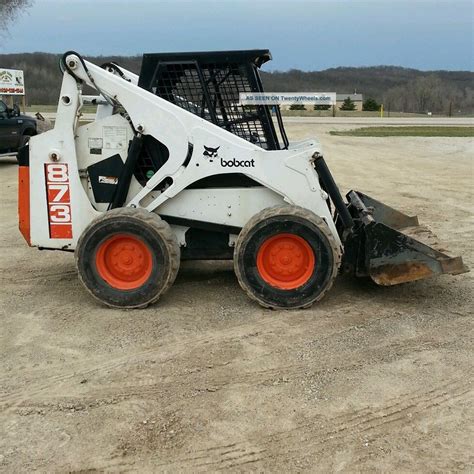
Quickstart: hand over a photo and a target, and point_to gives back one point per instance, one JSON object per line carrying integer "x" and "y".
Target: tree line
{"x": 399, "y": 89}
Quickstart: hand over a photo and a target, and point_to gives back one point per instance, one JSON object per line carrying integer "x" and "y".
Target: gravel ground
{"x": 370, "y": 379}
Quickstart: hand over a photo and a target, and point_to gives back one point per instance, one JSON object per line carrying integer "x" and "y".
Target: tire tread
{"x": 160, "y": 226}
{"x": 293, "y": 211}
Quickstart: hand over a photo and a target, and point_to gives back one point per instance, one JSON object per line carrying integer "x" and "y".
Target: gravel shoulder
{"x": 369, "y": 379}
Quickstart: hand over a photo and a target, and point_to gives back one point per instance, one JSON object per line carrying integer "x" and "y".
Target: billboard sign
{"x": 11, "y": 82}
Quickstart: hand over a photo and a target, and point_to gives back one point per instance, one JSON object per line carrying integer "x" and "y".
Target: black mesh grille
{"x": 180, "y": 84}
{"x": 208, "y": 85}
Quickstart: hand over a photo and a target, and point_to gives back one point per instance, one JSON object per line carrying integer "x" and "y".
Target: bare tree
{"x": 428, "y": 92}
{"x": 9, "y": 11}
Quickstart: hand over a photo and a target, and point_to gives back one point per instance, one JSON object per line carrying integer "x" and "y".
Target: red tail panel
{"x": 24, "y": 202}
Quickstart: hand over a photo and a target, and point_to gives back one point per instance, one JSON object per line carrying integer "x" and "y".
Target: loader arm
{"x": 177, "y": 128}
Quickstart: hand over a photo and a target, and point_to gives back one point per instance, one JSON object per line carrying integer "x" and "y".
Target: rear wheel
{"x": 286, "y": 258}
{"x": 127, "y": 258}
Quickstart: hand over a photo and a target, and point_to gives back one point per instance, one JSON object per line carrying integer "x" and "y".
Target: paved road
{"x": 426, "y": 121}
{"x": 349, "y": 120}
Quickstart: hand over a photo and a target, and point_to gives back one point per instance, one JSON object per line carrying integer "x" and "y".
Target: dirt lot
{"x": 370, "y": 379}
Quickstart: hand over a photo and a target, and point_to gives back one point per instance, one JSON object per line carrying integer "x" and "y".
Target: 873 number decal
{"x": 59, "y": 200}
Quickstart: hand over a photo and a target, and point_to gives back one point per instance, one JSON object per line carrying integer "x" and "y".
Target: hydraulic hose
{"x": 65, "y": 67}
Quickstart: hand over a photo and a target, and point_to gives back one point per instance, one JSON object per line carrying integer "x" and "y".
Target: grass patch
{"x": 406, "y": 132}
{"x": 347, "y": 113}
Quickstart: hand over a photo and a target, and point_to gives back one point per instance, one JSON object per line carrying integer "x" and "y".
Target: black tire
{"x": 305, "y": 229}
{"x": 24, "y": 139}
{"x": 155, "y": 242}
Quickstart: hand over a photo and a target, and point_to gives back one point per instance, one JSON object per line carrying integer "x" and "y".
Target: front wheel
{"x": 127, "y": 258}
{"x": 24, "y": 139}
{"x": 286, "y": 258}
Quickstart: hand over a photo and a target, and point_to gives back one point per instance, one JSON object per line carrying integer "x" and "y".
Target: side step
{"x": 391, "y": 247}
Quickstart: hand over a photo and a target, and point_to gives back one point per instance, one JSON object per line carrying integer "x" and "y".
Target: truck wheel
{"x": 127, "y": 258}
{"x": 286, "y": 258}
{"x": 24, "y": 139}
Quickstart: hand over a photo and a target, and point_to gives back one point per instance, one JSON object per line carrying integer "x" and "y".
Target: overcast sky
{"x": 308, "y": 35}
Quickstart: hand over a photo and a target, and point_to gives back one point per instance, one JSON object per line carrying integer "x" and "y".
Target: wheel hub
{"x": 124, "y": 261}
{"x": 285, "y": 261}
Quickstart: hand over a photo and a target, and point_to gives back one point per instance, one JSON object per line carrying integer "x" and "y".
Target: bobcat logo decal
{"x": 210, "y": 152}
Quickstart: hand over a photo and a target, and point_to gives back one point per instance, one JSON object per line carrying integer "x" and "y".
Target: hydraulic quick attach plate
{"x": 391, "y": 247}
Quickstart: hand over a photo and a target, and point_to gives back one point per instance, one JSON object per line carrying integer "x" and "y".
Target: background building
{"x": 358, "y": 100}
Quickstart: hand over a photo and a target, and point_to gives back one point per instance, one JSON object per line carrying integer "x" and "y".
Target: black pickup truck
{"x": 15, "y": 129}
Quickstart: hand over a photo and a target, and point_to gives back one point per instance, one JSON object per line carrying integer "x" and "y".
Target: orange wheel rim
{"x": 285, "y": 261}
{"x": 124, "y": 261}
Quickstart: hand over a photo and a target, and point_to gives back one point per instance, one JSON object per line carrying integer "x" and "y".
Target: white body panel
{"x": 286, "y": 175}
{"x": 219, "y": 206}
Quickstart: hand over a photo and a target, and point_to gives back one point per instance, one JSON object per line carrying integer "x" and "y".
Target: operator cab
{"x": 208, "y": 85}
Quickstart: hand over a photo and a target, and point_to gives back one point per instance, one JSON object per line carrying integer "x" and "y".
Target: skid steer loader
{"x": 173, "y": 168}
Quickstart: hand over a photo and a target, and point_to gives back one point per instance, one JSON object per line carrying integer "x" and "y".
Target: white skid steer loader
{"x": 174, "y": 168}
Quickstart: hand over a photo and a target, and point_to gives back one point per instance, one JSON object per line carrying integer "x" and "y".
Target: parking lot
{"x": 368, "y": 379}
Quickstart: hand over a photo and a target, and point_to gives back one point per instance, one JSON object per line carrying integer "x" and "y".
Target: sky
{"x": 301, "y": 34}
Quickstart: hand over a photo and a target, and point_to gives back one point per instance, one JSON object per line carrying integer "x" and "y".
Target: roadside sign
{"x": 11, "y": 82}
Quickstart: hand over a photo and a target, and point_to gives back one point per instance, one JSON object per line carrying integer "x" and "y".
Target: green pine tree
{"x": 371, "y": 105}
{"x": 348, "y": 104}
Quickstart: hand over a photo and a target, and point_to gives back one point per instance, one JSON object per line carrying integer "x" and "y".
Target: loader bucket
{"x": 391, "y": 247}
